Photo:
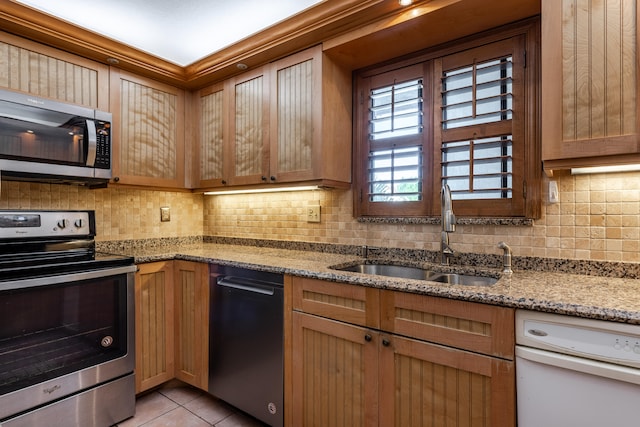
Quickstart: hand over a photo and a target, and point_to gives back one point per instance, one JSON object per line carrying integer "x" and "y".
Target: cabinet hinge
{"x": 524, "y": 58}
{"x": 524, "y": 189}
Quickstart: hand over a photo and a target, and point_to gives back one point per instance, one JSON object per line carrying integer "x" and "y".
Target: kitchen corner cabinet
{"x": 285, "y": 122}
{"x": 590, "y": 88}
{"x": 148, "y": 144}
{"x": 172, "y": 323}
{"x": 154, "y": 316}
{"x": 368, "y": 357}
{"x": 191, "y": 289}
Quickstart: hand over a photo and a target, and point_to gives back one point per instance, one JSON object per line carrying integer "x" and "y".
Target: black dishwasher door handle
{"x": 246, "y": 285}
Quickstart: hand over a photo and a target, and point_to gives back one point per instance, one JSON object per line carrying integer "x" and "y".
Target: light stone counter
{"x": 594, "y": 297}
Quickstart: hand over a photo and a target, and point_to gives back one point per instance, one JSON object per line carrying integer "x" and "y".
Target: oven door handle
{"x": 578, "y": 364}
{"x": 65, "y": 278}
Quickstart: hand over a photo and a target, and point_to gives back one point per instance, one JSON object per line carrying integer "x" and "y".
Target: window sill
{"x": 521, "y": 222}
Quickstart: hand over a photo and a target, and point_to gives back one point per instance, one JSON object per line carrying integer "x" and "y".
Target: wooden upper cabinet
{"x": 148, "y": 144}
{"x": 248, "y": 149}
{"x": 310, "y": 119}
{"x": 33, "y": 68}
{"x": 211, "y": 128}
{"x": 286, "y": 122}
{"x": 589, "y": 83}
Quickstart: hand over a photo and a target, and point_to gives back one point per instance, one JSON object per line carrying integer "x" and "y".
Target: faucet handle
{"x": 506, "y": 257}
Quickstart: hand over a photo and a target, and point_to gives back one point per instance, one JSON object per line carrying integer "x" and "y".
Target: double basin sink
{"x": 406, "y": 272}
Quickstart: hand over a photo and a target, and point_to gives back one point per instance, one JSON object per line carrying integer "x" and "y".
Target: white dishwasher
{"x": 572, "y": 371}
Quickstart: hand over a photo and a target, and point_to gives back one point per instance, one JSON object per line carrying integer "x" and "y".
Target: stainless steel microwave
{"x": 51, "y": 141}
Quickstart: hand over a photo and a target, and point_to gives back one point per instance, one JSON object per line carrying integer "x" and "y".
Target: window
{"x": 454, "y": 117}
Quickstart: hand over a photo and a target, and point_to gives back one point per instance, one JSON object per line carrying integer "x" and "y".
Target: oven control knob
{"x": 63, "y": 223}
{"x": 106, "y": 341}
{"x": 78, "y": 223}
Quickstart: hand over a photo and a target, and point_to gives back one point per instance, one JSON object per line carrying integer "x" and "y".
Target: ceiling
{"x": 181, "y": 32}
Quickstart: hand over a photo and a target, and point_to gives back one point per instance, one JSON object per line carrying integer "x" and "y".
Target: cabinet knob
{"x": 224, "y": 182}
{"x": 264, "y": 178}
{"x": 367, "y": 338}
{"x": 116, "y": 178}
{"x": 386, "y": 342}
{"x": 273, "y": 178}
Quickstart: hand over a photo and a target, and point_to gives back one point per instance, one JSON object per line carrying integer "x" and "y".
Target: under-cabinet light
{"x": 261, "y": 190}
{"x": 605, "y": 169}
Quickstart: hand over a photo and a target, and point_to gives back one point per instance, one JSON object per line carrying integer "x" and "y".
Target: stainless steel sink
{"x": 389, "y": 270}
{"x": 462, "y": 279}
{"x": 406, "y": 272}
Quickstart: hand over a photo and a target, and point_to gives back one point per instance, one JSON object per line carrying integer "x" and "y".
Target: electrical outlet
{"x": 554, "y": 194}
{"x": 165, "y": 214}
{"x": 313, "y": 213}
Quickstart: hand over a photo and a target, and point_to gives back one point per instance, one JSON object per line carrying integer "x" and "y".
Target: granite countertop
{"x": 606, "y": 298}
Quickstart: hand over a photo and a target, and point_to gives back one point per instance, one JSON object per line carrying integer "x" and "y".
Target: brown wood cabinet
{"x": 148, "y": 145}
{"x": 43, "y": 71}
{"x": 191, "y": 289}
{"x": 154, "y": 314}
{"x": 590, "y": 88}
{"x": 286, "y": 122}
{"x": 172, "y": 323}
{"x": 368, "y": 357}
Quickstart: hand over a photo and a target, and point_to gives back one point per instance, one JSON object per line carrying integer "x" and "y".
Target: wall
{"x": 121, "y": 214}
{"x": 598, "y": 218}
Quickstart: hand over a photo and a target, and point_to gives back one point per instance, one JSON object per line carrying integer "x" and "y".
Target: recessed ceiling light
{"x": 112, "y": 61}
{"x": 241, "y": 66}
{"x": 405, "y": 2}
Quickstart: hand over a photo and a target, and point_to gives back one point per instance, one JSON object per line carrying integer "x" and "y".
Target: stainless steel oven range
{"x": 66, "y": 323}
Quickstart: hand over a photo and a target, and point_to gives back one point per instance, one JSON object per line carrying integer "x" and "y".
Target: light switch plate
{"x": 165, "y": 214}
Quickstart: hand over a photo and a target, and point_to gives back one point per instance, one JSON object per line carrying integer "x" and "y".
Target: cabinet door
{"x": 310, "y": 119}
{"x": 43, "y": 71}
{"x": 248, "y": 158}
{"x": 427, "y": 385}
{"x": 480, "y": 328}
{"x": 295, "y": 115}
{"x": 154, "y": 314}
{"x": 589, "y": 82}
{"x": 334, "y": 373}
{"x": 212, "y": 127}
{"x": 192, "y": 322}
{"x": 148, "y": 144}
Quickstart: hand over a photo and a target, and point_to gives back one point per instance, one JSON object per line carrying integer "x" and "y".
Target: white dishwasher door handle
{"x": 587, "y": 366}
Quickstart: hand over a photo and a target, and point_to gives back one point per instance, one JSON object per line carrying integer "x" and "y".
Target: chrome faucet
{"x": 506, "y": 258}
{"x": 448, "y": 224}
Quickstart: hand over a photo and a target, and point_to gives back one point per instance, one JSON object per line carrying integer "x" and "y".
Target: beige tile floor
{"x": 180, "y": 405}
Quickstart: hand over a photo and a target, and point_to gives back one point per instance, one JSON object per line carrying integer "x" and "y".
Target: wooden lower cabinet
{"x": 424, "y": 384}
{"x": 172, "y": 323}
{"x": 191, "y": 289}
{"x": 154, "y": 314}
{"x": 334, "y": 373}
{"x": 344, "y": 374}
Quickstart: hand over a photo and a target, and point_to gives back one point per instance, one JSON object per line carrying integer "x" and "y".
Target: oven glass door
{"x": 49, "y": 331}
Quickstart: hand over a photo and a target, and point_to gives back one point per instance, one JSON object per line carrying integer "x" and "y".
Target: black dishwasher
{"x": 246, "y": 341}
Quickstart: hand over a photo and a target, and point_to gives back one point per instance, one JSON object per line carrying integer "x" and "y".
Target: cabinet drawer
{"x": 357, "y": 305}
{"x": 471, "y": 326}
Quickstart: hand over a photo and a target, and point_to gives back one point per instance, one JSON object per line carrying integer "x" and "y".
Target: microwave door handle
{"x": 93, "y": 143}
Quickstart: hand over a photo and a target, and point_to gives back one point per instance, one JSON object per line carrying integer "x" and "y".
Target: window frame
{"x": 523, "y": 40}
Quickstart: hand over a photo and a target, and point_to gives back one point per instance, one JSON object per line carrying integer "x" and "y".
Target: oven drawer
{"x": 80, "y": 410}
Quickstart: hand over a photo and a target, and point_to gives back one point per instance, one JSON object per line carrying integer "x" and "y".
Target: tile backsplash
{"x": 597, "y": 218}
{"x": 121, "y": 214}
